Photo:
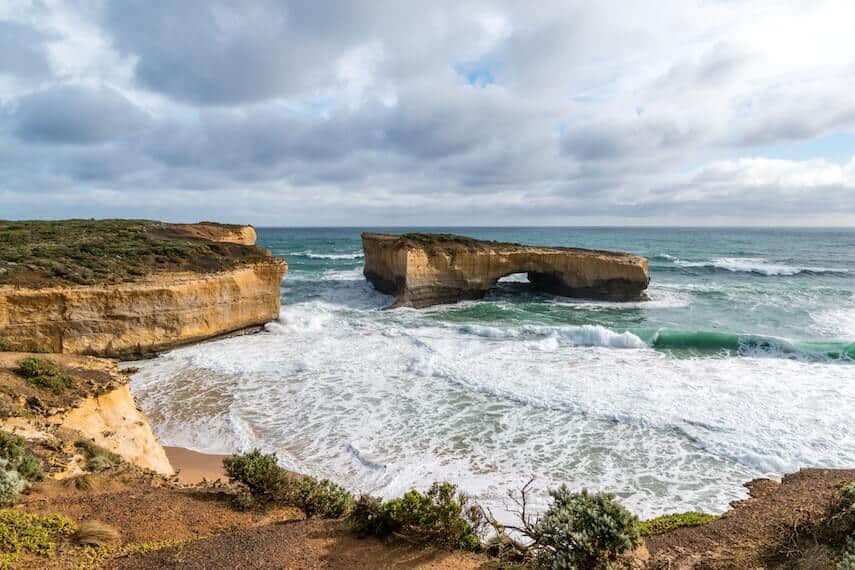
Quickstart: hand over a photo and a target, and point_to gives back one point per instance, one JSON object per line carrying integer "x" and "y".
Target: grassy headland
{"x": 89, "y": 252}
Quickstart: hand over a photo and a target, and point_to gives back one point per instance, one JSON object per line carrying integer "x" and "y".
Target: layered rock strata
{"x": 430, "y": 269}
{"x": 158, "y": 312}
{"x": 97, "y": 406}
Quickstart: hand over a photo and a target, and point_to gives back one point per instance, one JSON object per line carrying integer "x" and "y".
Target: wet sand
{"x": 193, "y": 466}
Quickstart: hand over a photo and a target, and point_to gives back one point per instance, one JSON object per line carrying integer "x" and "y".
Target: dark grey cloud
{"x": 74, "y": 114}
{"x": 22, "y": 51}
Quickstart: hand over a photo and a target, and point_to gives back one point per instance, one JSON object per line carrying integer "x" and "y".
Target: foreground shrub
{"x": 322, "y": 498}
{"x": 18, "y": 458}
{"x": 440, "y": 516}
{"x": 97, "y": 458}
{"x": 11, "y": 485}
{"x": 667, "y": 523}
{"x": 584, "y": 530}
{"x": 44, "y": 374}
{"x": 26, "y": 532}
{"x": 267, "y": 483}
{"x": 265, "y": 480}
{"x": 578, "y": 530}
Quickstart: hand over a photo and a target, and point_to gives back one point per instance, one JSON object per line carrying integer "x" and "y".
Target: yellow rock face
{"x": 423, "y": 270}
{"x": 132, "y": 319}
{"x": 243, "y": 235}
{"x": 111, "y": 419}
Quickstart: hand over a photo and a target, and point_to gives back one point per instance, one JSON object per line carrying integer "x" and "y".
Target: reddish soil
{"x": 756, "y": 531}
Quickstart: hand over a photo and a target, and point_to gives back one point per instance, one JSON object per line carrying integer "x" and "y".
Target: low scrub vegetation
{"x": 97, "y": 458}
{"x": 18, "y": 468}
{"x": 86, "y": 252}
{"x": 22, "y": 532}
{"x": 439, "y": 516}
{"x": 268, "y": 484}
{"x": 667, "y": 523}
{"x": 579, "y": 530}
{"x": 5, "y": 345}
{"x": 44, "y": 374}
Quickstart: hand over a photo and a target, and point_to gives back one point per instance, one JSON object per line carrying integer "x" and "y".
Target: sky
{"x": 405, "y": 113}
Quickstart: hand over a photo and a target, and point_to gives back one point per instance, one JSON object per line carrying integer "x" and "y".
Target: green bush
{"x": 5, "y": 346}
{"x": 27, "y": 532}
{"x": 19, "y": 459}
{"x": 847, "y": 559}
{"x": 584, "y": 530}
{"x": 44, "y": 374}
{"x": 268, "y": 483}
{"x": 667, "y": 523}
{"x": 97, "y": 458}
{"x": 440, "y": 516}
{"x": 322, "y": 498}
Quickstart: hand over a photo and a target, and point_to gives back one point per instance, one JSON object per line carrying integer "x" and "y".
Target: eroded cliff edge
{"x": 127, "y": 288}
{"x": 69, "y": 399}
{"x": 430, "y": 269}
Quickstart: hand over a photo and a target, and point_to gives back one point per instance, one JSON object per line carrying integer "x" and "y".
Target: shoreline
{"x": 192, "y": 467}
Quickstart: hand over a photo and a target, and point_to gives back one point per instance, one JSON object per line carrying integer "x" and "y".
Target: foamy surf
{"x": 725, "y": 374}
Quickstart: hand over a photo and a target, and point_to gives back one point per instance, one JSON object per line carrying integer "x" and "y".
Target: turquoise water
{"x": 740, "y": 364}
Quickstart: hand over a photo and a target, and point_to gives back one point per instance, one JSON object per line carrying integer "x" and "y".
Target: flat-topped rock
{"x": 128, "y": 288}
{"x": 431, "y": 269}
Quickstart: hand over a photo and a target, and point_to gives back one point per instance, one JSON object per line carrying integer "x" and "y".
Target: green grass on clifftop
{"x": 88, "y": 252}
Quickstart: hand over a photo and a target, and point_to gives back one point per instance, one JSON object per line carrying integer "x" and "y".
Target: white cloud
{"x": 491, "y": 111}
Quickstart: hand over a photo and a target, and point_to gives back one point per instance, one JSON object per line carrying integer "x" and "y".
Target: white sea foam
{"x": 385, "y": 400}
{"x": 838, "y": 322}
{"x": 331, "y": 256}
{"x": 756, "y": 265}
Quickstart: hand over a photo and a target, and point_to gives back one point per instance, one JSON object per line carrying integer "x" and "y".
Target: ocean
{"x": 740, "y": 365}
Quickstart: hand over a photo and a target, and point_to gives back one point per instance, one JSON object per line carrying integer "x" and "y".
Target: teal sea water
{"x": 740, "y": 364}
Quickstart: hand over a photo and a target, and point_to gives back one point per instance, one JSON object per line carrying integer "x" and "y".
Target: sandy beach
{"x": 193, "y": 467}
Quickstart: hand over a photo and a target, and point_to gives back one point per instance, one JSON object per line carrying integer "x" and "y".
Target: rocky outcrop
{"x": 160, "y": 311}
{"x": 224, "y": 233}
{"x": 96, "y": 406}
{"x": 429, "y": 269}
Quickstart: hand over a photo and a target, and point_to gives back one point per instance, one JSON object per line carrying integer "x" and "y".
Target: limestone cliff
{"x": 426, "y": 269}
{"x": 96, "y": 405}
{"x": 158, "y": 312}
{"x": 223, "y": 233}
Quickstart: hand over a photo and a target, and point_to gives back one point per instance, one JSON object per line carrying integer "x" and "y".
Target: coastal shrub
{"x": 97, "y": 534}
{"x": 440, "y": 516}
{"x": 27, "y": 532}
{"x": 11, "y": 485}
{"x": 5, "y": 346}
{"x": 260, "y": 473}
{"x": 579, "y": 530}
{"x": 97, "y": 458}
{"x": 322, "y": 498}
{"x": 667, "y": 523}
{"x": 17, "y": 458}
{"x": 268, "y": 483}
{"x": 584, "y": 530}
{"x": 44, "y": 374}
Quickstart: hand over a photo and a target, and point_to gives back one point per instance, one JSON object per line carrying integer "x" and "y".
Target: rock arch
{"x": 430, "y": 269}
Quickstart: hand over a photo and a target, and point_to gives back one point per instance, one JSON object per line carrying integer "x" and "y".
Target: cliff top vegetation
{"x": 89, "y": 252}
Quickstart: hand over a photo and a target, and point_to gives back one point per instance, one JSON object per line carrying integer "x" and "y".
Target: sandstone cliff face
{"x": 158, "y": 312}
{"x": 241, "y": 235}
{"x": 423, "y": 269}
{"x": 97, "y": 407}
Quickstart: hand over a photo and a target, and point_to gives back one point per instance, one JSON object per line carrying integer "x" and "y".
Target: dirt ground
{"x": 755, "y": 531}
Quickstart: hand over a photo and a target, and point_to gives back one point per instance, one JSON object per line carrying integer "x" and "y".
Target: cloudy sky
{"x": 423, "y": 113}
